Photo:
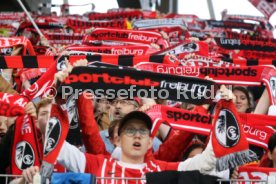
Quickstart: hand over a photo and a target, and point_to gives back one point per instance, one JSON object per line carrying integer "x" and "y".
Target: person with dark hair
{"x": 244, "y": 102}
{"x": 195, "y": 147}
{"x": 109, "y": 136}
{"x": 269, "y": 160}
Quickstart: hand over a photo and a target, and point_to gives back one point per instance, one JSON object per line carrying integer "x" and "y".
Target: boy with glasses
{"x": 134, "y": 139}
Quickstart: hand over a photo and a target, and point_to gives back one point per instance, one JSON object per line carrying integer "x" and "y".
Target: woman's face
{"x": 242, "y": 103}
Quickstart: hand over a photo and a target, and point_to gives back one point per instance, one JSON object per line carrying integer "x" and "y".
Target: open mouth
{"x": 137, "y": 144}
{"x": 117, "y": 113}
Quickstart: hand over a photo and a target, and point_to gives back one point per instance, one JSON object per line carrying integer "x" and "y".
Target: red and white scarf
{"x": 44, "y": 85}
{"x": 255, "y": 173}
{"x": 253, "y": 125}
{"x": 17, "y": 41}
{"x": 12, "y": 104}
{"x": 228, "y": 138}
{"x": 266, "y": 8}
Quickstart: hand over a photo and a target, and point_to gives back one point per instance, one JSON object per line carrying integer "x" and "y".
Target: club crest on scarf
{"x": 227, "y": 130}
{"x": 61, "y": 64}
{"x": 228, "y": 138}
{"x": 53, "y": 131}
{"x": 5, "y": 51}
{"x": 24, "y": 155}
{"x": 189, "y": 47}
{"x": 72, "y": 112}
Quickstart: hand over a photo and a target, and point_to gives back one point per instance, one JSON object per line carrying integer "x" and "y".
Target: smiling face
{"x": 134, "y": 140}
{"x": 242, "y": 102}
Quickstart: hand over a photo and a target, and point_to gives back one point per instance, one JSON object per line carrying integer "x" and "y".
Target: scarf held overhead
{"x": 231, "y": 75}
{"x": 108, "y": 82}
{"x": 47, "y": 61}
{"x": 253, "y": 124}
{"x": 56, "y": 132}
{"x": 25, "y": 151}
{"x": 228, "y": 138}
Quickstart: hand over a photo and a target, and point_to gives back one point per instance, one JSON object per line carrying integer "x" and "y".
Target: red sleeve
{"x": 90, "y": 131}
{"x": 93, "y": 163}
{"x": 176, "y": 143}
{"x": 172, "y": 166}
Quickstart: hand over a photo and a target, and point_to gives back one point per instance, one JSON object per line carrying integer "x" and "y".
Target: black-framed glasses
{"x": 131, "y": 132}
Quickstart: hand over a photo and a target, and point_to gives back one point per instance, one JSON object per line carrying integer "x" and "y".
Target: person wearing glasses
{"x": 135, "y": 139}
{"x": 124, "y": 106}
{"x": 105, "y": 141}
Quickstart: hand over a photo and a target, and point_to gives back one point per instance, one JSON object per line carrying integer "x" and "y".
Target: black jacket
{"x": 180, "y": 177}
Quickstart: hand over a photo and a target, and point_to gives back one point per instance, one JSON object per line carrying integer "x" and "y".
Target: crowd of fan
{"x": 114, "y": 135}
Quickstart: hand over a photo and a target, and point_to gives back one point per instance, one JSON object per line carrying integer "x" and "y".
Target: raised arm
{"x": 90, "y": 131}
{"x": 263, "y": 104}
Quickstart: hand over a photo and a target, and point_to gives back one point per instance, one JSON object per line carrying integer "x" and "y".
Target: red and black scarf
{"x": 117, "y": 79}
{"x": 25, "y": 151}
{"x": 251, "y": 75}
{"x": 55, "y": 135}
{"x": 228, "y": 138}
{"x": 48, "y": 61}
{"x": 56, "y": 132}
